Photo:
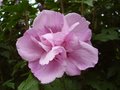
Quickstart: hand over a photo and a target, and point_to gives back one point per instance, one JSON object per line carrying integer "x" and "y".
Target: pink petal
{"x": 46, "y": 58}
{"x": 50, "y": 20}
{"x": 85, "y": 57}
{"x": 82, "y": 30}
{"x": 34, "y": 32}
{"x": 70, "y": 29}
{"x": 58, "y": 38}
{"x": 47, "y": 39}
{"x": 71, "y": 69}
{"x": 53, "y": 39}
{"x": 65, "y": 27}
{"x": 71, "y": 43}
{"x": 43, "y": 46}
{"x": 27, "y": 49}
{"x": 47, "y": 73}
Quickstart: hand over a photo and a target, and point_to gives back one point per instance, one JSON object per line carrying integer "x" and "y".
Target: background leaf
{"x": 29, "y": 84}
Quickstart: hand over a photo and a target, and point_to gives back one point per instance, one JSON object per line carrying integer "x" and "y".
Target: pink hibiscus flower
{"x": 57, "y": 44}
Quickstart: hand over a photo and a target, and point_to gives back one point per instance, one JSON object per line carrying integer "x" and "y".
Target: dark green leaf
{"x": 9, "y": 84}
{"x": 106, "y": 35}
{"x": 29, "y": 84}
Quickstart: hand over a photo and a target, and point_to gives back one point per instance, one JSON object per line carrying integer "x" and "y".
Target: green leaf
{"x": 88, "y": 2}
{"x": 9, "y": 84}
{"x": 19, "y": 65}
{"x": 29, "y": 84}
{"x": 106, "y": 35}
{"x": 64, "y": 83}
{"x": 55, "y": 85}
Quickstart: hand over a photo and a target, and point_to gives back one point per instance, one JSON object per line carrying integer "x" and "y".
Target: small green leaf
{"x": 29, "y": 84}
{"x": 88, "y": 2}
{"x": 106, "y": 35}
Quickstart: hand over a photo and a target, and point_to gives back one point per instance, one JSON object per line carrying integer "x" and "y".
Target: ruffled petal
{"x": 53, "y": 39}
{"x": 85, "y": 57}
{"x": 49, "y": 21}
{"x": 58, "y": 38}
{"x": 41, "y": 45}
{"x": 46, "y": 58}
{"x": 82, "y": 30}
{"x": 47, "y": 73}
{"x": 47, "y": 39}
{"x": 27, "y": 49}
{"x": 71, "y": 43}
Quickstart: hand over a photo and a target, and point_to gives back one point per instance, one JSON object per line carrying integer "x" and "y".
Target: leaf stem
{"x": 62, "y": 6}
{"x": 82, "y": 8}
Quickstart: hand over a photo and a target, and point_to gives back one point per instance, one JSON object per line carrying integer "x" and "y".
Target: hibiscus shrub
{"x": 17, "y": 16}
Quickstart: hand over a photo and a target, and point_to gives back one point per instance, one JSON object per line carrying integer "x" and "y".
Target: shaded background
{"x": 17, "y": 15}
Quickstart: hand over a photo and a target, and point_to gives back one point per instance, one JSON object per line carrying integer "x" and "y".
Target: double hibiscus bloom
{"x": 57, "y": 44}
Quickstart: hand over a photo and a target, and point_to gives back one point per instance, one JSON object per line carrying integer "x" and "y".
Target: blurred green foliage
{"x": 17, "y": 15}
